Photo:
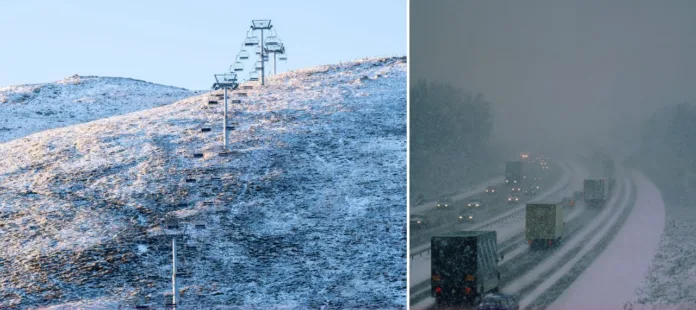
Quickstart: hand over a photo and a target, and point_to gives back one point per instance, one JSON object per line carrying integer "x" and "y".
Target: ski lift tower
{"x": 225, "y": 81}
{"x": 261, "y": 24}
{"x": 276, "y": 47}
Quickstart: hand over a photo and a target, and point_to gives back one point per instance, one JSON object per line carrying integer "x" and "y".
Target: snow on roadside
{"x": 624, "y": 263}
{"x": 671, "y": 278}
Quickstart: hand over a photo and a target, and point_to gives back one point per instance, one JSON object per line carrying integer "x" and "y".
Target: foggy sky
{"x": 563, "y": 72}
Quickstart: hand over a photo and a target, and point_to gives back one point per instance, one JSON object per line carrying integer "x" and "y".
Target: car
{"x": 444, "y": 203}
{"x": 530, "y": 191}
{"x": 513, "y": 199}
{"x": 577, "y": 195}
{"x": 568, "y": 202}
{"x": 491, "y": 190}
{"x": 515, "y": 189}
{"x": 537, "y": 178}
{"x": 498, "y": 301}
{"x": 475, "y": 203}
{"x": 418, "y": 221}
{"x": 465, "y": 218}
{"x": 536, "y": 187}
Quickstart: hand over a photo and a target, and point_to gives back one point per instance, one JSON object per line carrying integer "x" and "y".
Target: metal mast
{"x": 225, "y": 81}
{"x": 174, "y": 288}
{"x": 261, "y": 25}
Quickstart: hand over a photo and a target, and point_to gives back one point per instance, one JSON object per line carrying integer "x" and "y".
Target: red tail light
{"x": 529, "y": 241}
{"x": 438, "y": 290}
{"x": 467, "y": 290}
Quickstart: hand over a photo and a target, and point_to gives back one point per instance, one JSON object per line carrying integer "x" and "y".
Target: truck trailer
{"x": 544, "y": 224}
{"x": 464, "y": 266}
{"x": 596, "y": 192}
{"x": 513, "y": 173}
{"x": 609, "y": 172}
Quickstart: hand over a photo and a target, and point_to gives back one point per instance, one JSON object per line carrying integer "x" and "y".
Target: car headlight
{"x": 460, "y": 217}
{"x": 468, "y": 205}
{"x": 509, "y": 199}
{"x": 471, "y": 217}
{"x": 477, "y": 204}
{"x": 439, "y": 205}
{"x": 517, "y": 199}
{"x": 493, "y": 191}
{"x": 486, "y": 191}
{"x": 514, "y": 181}
{"x": 506, "y": 181}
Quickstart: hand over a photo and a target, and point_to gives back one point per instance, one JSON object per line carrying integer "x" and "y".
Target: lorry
{"x": 464, "y": 266}
{"x": 513, "y": 173}
{"x": 609, "y": 172}
{"x": 544, "y": 224}
{"x": 596, "y": 192}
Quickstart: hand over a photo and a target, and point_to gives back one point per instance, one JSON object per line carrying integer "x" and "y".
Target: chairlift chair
{"x": 258, "y": 50}
{"x": 251, "y": 40}
{"x": 272, "y": 41}
{"x": 243, "y": 55}
{"x": 283, "y": 57}
{"x": 254, "y": 76}
{"x": 258, "y": 65}
{"x": 238, "y": 66}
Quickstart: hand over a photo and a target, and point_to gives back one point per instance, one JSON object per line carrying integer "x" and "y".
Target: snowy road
{"x": 624, "y": 263}
{"x": 509, "y": 226}
{"x": 464, "y": 194}
{"x": 495, "y": 208}
{"x": 539, "y": 278}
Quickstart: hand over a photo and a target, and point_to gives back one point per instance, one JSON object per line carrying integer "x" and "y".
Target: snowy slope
{"x": 309, "y": 209}
{"x": 26, "y": 109}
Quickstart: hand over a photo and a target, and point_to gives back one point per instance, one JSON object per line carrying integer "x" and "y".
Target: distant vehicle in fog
{"x": 492, "y": 190}
{"x": 444, "y": 203}
{"x": 513, "y": 172}
{"x": 513, "y": 199}
{"x": 475, "y": 203}
{"x": 596, "y": 192}
{"x": 418, "y": 221}
{"x": 515, "y": 189}
{"x": 568, "y": 202}
{"x": 465, "y": 217}
{"x": 530, "y": 191}
{"x": 577, "y": 195}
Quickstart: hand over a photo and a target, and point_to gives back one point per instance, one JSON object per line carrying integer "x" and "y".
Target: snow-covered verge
{"x": 27, "y": 109}
{"x": 671, "y": 278}
{"x": 624, "y": 263}
{"x": 307, "y": 211}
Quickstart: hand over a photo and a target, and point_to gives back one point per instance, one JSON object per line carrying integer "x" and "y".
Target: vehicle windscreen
{"x": 453, "y": 258}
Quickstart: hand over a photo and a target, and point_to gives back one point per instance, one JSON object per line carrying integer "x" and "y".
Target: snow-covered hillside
{"x": 307, "y": 210}
{"x": 26, "y": 109}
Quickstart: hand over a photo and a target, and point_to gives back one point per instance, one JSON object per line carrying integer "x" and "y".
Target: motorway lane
{"x": 529, "y": 274}
{"x": 442, "y": 221}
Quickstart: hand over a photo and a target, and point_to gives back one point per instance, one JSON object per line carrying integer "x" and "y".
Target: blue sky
{"x": 183, "y": 43}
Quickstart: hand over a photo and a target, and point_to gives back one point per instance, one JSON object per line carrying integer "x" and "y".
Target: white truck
{"x": 544, "y": 224}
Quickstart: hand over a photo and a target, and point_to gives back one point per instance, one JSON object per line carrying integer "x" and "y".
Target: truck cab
{"x": 464, "y": 267}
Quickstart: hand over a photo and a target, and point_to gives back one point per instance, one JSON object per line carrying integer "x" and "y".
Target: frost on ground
{"x": 27, "y": 109}
{"x": 308, "y": 210}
